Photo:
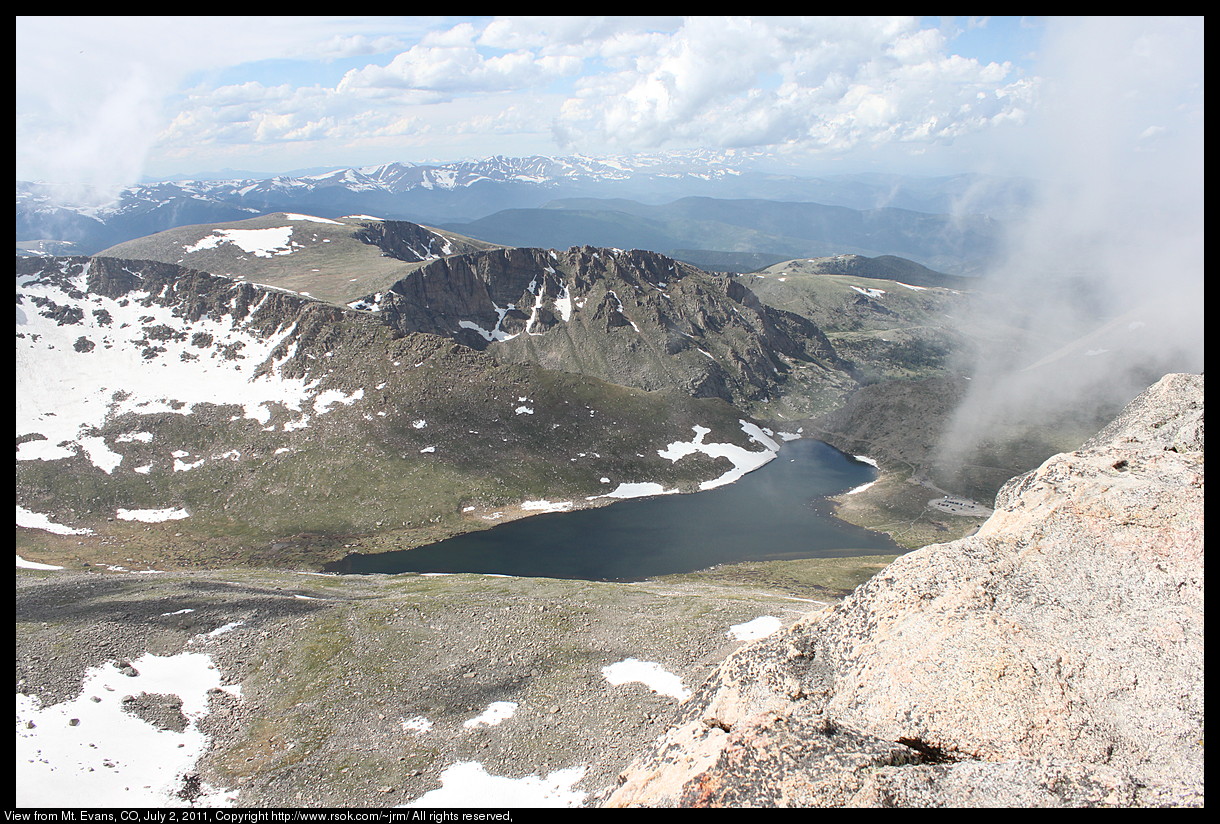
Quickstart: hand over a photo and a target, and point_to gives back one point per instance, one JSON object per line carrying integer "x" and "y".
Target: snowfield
{"x": 468, "y": 784}
{"x": 753, "y": 630}
{"x": 72, "y": 377}
{"x": 151, "y": 516}
{"x": 258, "y": 242}
{"x": 105, "y": 754}
{"x": 36, "y": 520}
{"x": 743, "y": 460}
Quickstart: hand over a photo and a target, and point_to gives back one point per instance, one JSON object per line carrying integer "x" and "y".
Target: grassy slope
{"x": 900, "y": 333}
{"x": 331, "y": 264}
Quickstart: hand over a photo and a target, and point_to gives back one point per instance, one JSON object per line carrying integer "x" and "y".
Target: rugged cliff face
{"x": 1055, "y": 658}
{"x": 632, "y": 317}
{"x": 409, "y": 242}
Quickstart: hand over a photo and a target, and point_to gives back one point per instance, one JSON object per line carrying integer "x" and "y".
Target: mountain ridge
{"x": 333, "y": 259}
{"x": 463, "y": 191}
{"x": 317, "y": 422}
{"x": 634, "y": 317}
{"x": 956, "y": 244}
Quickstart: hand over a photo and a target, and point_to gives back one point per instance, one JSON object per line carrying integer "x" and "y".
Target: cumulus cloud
{"x": 254, "y": 113}
{"x": 449, "y": 61}
{"x": 824, "y": 84}
{"x": 351, "y": 45}
{"x": 595, "y": 83}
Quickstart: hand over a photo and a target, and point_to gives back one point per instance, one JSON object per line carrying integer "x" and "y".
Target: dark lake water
{"x": 776, "y": 512}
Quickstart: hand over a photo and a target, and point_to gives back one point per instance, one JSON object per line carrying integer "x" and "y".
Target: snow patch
{"x": 66, "y": 395}
{"x": 648, "y": 673}
{"x": 312, "y": 219}
{"x": 563, "y": 304}
{"x": 109, "y": 756}
{"x": 258, "y": 242}
{"x": 151, "y": 516}
{"x": 36, "y": 520}
{"x": 496, "y": 713}
{"x": 547, "y": 506}
{"x": 468, "y": 784}
{"x": 418, "y": 725}
{"x": 22, "y": 563}
{"x": 753, "y": 630}
{"x": 226, "y": 628}
{"x": 634, "y": 490}
{"x": 325, "y": 401}
{"x": 495, "y": 334}
{"x": 743, "y": 460}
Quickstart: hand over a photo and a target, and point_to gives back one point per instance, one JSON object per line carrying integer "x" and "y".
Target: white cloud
{"x": 832, "y": 84}
{"x": 354, "y": 45}
{"x": 94, "y": 94}
{"x": 98, "y": 99}
{"x": 454, "y": 65}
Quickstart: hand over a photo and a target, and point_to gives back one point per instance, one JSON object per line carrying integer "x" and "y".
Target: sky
{"x": 107, "y": 100}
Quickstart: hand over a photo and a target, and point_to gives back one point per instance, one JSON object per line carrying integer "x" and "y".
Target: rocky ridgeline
{"x": 635, "y": 318}
{"x": 410, "y": 242}
{"x": 1055, "y": 658}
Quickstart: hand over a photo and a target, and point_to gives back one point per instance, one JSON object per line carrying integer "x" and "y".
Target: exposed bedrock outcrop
{"x": 635, "y": 318}
{"x": 1054, "y": 658}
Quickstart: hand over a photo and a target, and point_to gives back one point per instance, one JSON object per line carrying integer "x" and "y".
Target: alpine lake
{"x": 776, "y": 512}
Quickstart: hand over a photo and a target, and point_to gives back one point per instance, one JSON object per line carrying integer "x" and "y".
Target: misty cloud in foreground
{"x": 1100, "y": 291}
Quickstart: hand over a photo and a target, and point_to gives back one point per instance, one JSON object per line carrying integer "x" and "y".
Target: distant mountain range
{"x": 692, "y": 227}
{"x": 472, "y": 191}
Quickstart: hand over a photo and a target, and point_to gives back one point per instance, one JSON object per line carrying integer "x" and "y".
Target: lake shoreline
{"x": 777, "y": 510}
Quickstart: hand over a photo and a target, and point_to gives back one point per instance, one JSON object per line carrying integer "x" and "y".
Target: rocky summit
{"x": 1054, "y": 658}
